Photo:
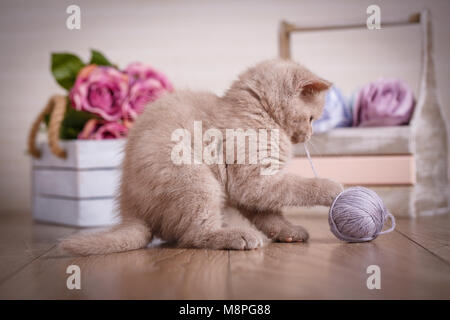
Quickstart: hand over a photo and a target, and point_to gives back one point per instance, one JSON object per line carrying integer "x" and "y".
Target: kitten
{"x": 183, "y": 203}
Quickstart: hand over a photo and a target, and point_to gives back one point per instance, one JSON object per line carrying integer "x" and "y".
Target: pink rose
{"x": 146, "y": 85}
{"x": 111, "y": 130}
{"x": 385, "y": 102}
{"x": 100, "y": 90}
{"x": 99, "y": 130}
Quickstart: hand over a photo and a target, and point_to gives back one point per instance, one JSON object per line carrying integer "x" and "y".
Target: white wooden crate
{"x": 79, "y": 190}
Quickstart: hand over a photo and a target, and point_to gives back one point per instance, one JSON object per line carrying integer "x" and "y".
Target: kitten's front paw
{"x": 328, "y": 190}
{"x": 241, "y": 239}
{"x": 291, "y": 233}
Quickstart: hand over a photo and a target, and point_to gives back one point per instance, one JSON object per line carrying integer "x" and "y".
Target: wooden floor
{"x": 414, "y": 262}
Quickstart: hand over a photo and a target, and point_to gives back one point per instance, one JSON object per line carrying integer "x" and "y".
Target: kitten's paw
{"x": 291, "y": 233}
{"x": 242, "y": 239}
{"x": 328, "y": 190}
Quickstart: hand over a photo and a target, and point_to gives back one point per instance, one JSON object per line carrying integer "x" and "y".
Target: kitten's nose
{"x": 300, "y": 137}
{"x": 305, "y": 134}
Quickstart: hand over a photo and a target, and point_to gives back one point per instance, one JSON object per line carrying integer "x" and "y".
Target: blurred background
{"x": 198, "y": 45}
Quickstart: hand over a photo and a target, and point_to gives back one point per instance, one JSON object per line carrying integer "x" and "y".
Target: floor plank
{"x": 411, "y": 262}
{"x": 22, "y": 241}
{"x": 153, "y": 273}
{"x": 326, "y": 268}
{"x": 433, "y": 233}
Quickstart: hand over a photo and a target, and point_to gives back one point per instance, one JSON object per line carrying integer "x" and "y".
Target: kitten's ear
{"x": 315, "y": 86}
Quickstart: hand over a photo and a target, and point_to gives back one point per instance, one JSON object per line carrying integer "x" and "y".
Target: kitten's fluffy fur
{"x": 184, "y": 203}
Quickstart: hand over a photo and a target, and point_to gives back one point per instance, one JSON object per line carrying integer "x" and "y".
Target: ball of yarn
{"x": 336, "y": 113}
{"x": 358, "y": 214}
{"x": 385, "y": 102}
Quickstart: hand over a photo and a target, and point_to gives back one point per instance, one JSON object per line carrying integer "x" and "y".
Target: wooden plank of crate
{"x": 83, "y": 154}
{"x": 75, "y": 183}
{"x": 359, "y": 170}
{"x": 75, "y": 212}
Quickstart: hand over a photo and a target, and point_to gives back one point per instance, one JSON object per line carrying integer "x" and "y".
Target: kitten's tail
{"x": 128, "y": 235}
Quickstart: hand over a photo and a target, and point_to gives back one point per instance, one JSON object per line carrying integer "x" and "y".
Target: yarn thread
{"x": 310, "y": 161}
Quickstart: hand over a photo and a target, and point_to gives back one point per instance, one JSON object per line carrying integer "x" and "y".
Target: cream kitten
{"x": 183, "y": 203}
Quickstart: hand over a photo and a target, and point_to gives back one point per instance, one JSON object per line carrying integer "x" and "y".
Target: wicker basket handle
{"x": 56, "y": 107}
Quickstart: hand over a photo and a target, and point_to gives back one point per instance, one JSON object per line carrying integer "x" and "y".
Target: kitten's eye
{"x": 307, "y": 92}
{"x": 311, "y": 119}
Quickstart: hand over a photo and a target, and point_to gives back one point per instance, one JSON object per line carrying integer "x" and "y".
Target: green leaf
{"x": 74, "y": 122}
{"x": 47, "y": 120}
{"x": 99, "y": 59}
{"x": 68, "y": 133}
{"x": 65, "y": 67}
{"x": 77, "y": 119}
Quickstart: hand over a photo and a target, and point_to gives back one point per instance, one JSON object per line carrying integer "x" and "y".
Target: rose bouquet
{"x": 103, "y": 101}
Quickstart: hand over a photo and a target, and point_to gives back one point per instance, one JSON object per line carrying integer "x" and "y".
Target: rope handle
{"x": 56, "y": 107}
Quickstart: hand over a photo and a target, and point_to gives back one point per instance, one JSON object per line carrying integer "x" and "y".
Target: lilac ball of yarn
{"x": 358, "y": 214}
{"x": 336, "y": 113}
{"x": 385, "y": 102}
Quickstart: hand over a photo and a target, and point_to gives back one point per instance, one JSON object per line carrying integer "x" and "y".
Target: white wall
{"x": 199, "y": 45}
